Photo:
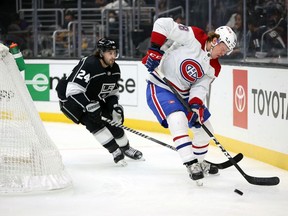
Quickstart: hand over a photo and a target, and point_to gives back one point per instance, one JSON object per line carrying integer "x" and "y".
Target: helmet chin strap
{"x": 211, "y": 49}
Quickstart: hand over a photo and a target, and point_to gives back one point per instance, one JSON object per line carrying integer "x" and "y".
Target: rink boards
{"x": 248, "y": 104}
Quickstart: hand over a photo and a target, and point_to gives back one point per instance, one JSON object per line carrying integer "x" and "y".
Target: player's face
{"x": 109, "y": 57}
{"x": 219, "y": 50}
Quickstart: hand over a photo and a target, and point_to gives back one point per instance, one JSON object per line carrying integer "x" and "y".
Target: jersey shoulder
{"x": 200, "y": 35}
{"x": 93, "y": 65}
{"x": 115, "y": 68}
{"x": 92, "y": 60}
{"x": 216, "y": 65}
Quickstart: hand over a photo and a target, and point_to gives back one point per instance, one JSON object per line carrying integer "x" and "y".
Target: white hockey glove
{"x": 3, "y": 51}
{"x": 118, "y": 113}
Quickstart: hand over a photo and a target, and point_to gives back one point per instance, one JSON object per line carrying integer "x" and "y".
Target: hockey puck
{"x": 238, "y": 192}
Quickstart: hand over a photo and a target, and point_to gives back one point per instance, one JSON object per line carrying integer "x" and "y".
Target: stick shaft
{"x": 137, "y": 133}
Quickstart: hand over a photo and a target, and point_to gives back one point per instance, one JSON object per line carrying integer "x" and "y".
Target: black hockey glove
{"x": 94, "y": 112}
{"x": 118, "y": 113}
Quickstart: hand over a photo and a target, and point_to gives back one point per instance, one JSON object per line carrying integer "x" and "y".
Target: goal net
{"x": 29, "y": 160}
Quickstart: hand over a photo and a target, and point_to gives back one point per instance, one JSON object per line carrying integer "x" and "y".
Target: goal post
{"x": 29, "y": 160}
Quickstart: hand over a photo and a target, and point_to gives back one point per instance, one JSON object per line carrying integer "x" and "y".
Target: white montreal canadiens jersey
{"x": 187, "y": 67}
{"x": 186, "y": 70}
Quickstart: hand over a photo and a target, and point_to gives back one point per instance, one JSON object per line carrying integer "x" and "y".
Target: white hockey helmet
{"x": 227, "y": 36}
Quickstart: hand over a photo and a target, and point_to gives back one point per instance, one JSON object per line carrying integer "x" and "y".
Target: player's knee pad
{"x": 178, "y": 123}
{"x": 92, "y": 126}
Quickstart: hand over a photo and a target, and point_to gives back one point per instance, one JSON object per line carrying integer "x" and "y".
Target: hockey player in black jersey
{"x": 90, "y": 92}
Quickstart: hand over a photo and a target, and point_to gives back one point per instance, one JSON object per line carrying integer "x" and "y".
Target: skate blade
{"x": 122, "y": 163}
{"x": 199, "y": 183}
{"x": 136, "y": 159}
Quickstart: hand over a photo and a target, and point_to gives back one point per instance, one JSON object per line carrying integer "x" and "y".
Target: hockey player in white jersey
{"x": 190, "y": 65}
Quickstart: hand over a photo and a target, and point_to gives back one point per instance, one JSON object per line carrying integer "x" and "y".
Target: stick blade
{"x": 227, "y": 163}
{"x": 264, "y": 181}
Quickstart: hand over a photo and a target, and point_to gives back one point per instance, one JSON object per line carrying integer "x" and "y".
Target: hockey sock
{"x": 106, "y": 139}
{"x": 178, "y": 126}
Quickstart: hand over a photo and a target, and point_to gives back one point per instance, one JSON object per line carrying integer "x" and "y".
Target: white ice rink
{"x": 158, "y": 186}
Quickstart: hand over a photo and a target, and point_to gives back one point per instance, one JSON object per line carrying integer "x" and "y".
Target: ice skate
{"x": 195, "y": 171}
{"x": 132, "y": 153}
{"x": 209, "y": 169}
{"x": 119, "y": 157}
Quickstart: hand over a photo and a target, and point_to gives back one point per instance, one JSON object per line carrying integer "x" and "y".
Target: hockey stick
{"x": 269, "y": 181}
{"x": 137, "y": 133}
{"x": 222, "y": 165}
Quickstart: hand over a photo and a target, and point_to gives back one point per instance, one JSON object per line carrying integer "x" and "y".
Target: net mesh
{"x": 29, "y": 160}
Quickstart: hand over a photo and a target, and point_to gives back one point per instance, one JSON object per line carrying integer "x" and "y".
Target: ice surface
{"x": 155, "y": 187}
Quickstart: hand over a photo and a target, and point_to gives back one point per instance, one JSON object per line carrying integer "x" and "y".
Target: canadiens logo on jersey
{"x": 191, "y": 70}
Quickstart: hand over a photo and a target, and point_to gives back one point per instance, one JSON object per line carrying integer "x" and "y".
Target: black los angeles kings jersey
{"x": 92, "y": 82}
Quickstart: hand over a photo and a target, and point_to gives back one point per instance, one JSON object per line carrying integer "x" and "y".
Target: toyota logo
{"x": 240, "y": 98}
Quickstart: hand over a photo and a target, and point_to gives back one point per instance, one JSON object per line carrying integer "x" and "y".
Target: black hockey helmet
{"x": 105, "y": 44}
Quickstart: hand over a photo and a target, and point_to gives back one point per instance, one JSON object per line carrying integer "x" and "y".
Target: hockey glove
{"x": 152, "y": 58}
{"x": 199, "y": 115}
{"x": 94, "y": 112}
{"x": 118, "y": 114}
